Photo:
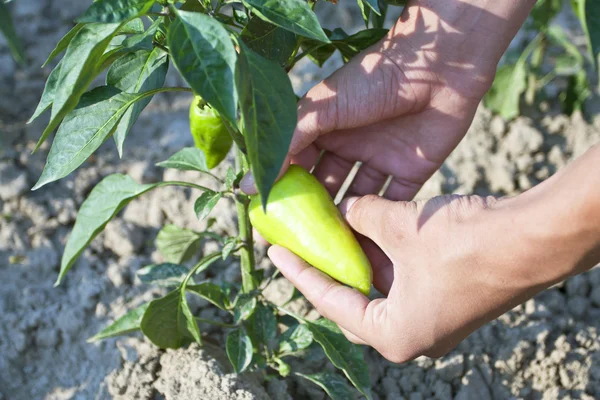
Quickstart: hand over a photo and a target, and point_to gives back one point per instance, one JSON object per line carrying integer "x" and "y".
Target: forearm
{"x": 557, "y": 223}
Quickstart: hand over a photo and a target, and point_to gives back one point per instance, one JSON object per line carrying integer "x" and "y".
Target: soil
{"x": 547, "y": 348}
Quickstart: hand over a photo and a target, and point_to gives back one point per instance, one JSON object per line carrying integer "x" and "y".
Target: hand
{"x": 448, "y": 265}
{"x": 403, "y": 105}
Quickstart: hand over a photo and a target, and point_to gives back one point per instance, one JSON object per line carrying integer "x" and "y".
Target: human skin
{"x": 449, "y": 264}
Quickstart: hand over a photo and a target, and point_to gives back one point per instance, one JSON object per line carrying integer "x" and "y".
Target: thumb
{"x": 370, "y": 216}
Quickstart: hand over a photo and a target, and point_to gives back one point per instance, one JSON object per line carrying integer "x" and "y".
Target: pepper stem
{"x": 248, "y": 262}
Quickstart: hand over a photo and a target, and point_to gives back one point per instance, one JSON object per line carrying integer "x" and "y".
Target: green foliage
{"x": 236, "y": 56}
{"x": 550, "y": 56}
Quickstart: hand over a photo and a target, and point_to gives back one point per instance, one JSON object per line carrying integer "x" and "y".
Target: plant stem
{"x": 248, "y": 262}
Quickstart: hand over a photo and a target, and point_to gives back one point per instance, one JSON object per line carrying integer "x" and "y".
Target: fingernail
{"x": 247, "y": 184}
{"x": 346, "y": 204}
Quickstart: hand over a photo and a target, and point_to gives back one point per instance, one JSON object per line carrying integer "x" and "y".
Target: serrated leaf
{"x": 203, "y": 53}
{"x": 239, "y": 349}
{"x": 344, "y": 355}
{"x": 297, "y": 337}
{"x": 205, "y": 203}
{"x": 168, "y": 321}
{"x": 110, "y": 11}
{"x": 136, "y": 72}
{"x": 504, "y": 96}
{"x": 334, "y": 385}
{"x": 8, "y": 29}
{"x": 268, "y": 40}
{"x": 210, "y": 292}
{"x": 79, "y": 68}
{"x": 187, "y": 159}
{"x": 48, "y": 93}
{"x": 177, "y": 244}
{"x": 165, "y": 274}
{"x": 63, "y": 43}
{"x": 292, "y": 15}
{"x": 268, "y": 115}
{"x": 244, "y": 306}
{"x": 262, "y": 325}
{"x": 128, "y": 323}
{"x": 106, "y": 199}
{"x": 84, "y": 130}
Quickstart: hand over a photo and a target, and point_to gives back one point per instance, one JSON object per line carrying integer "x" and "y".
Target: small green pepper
{"x": 302, "y": 217}
{"x": 209, "y": 133}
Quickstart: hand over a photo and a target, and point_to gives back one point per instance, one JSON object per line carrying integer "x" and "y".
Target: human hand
{"x": 448, "y": 265}
{"x": 403, "y": 105}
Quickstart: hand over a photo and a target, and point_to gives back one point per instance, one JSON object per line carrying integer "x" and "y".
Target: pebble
{"x": 451, "y": 367}
{"x": 578, "y": 306}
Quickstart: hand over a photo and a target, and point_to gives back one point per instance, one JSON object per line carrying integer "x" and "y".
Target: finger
{"x": 367, "y": 181}
{"x": 383, "y": 268}
{"x": 352, "y": 337}
{"x": 345, "y": 306}
{"x": 402, "y": 189}
{"x": 307, "y": 158}
{"x": 370, "y": 216}
{"x": 332, "y": 171}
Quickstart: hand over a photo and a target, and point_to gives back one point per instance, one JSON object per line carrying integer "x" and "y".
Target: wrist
{"x": 557, "y": 223}
{"x": 459, "y": 37}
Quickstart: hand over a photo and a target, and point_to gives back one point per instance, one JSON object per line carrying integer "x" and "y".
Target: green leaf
{"x": 239, "y": 349}
{"x": 177, "y": 244}
{"x": 205, "y": 203}
{"x": 79, "y": 68}
{"x": 128, "y": 323}
{"x": 110, "y": 11}
{"x": 84, "y": 130}
{"x": 132, "y": 26}
{"x": 268, "y": 115}
{"x": 168, "y": 321}
{"x": 544, "y": 11}
{"x": 240, "y": 16}
{"x": 558, "y": 36}
{"x": 203, "y": 53}
{"x": 262, "y": 325}
{"x": 136, "y": 72}
{"x": 334, "y": 385}
{"x": 578, "y": 91}
{"x": 63, "y": 43}
{"x": 8, "y": 29}
{"x": 210, "y": 292}
{"x": 344, "y": 355}
{"x": 365, "y": 11}
{"x": 297, "y": 337}
{"x": 592, "y": 27}
{"x": 352, "y": 45}
{"x": 292, "y": 15}
{"x": 509, "y": 84}
{"x": 106, "y": 199}
{"x": 373, "y": 5}
{"x": 318, "y": 52}
{"x": 228, "y": 247}
{"x": 187, "y": 159}
{"x": 48, "y": 93}
{"x": 268, "y": 40}
{"x": 244, "y": 307}
{"x": 166, "y": 274}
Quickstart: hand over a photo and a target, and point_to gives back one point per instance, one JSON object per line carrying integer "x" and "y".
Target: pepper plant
{"x": 235, "y": 57}
{"x": 550, "y": 55}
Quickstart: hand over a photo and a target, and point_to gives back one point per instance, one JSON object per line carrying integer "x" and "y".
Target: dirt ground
{"x": 548, "y": 348}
